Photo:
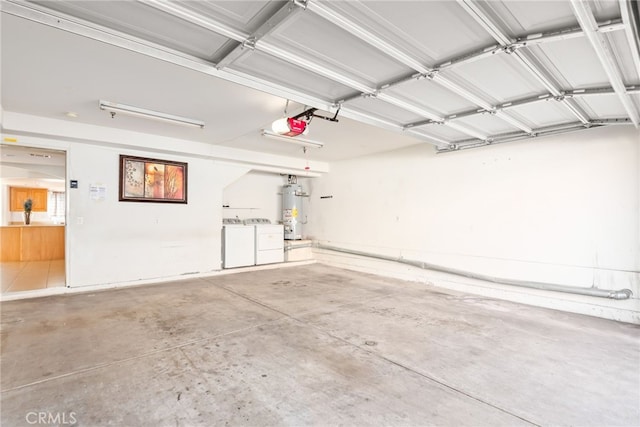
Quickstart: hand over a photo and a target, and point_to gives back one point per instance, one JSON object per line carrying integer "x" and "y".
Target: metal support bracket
{"x": 311, "y": 113}
{"x": 301, "y": 3}
{"x": 249, "y": 43}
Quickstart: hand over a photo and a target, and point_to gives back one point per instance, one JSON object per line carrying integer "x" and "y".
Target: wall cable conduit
{"x": 594, "y": 292}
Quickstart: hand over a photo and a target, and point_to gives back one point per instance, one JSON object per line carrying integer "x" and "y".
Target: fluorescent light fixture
{"x": 149, "y": 114}
{"x": 292, "y": 139}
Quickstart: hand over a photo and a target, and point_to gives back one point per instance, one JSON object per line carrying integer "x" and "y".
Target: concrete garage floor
{"x": 311, "y": 345}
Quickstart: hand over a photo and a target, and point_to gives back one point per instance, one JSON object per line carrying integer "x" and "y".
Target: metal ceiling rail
{"x": 383, "y": 87}
{"x": 400, "y": 56}
{"x": 620, "y": 121}
{"x": 116, "y": 38}
{"x": 353, "y": 28}
{"x": 599, "y": 91}
{"x": 481, "y": 18}
{"x": 93, "y": 31}
{"x": 293, "y": 58}
{"x": 254, "y": 41}
{"x": 425, "y": 113}
{"x": 285, "y": 13}
{"x": 524, "y": 101}
{"x": 528, "y": 40}
{"x": 423, "y": 135}
{"x": 543, "y": 131}
{"x": 408, "y": 107}
{"x": 296, "y": 59}
{"x": 515, "y": 136}
{"x": 386, "y": 124}
{"x": 632, "y": 31}
{"x": 83, "y": 28}
{"x": 587, "y": 21}
{"x": 259, "y": 45}
{"x": 181, "y": 12}
{"x": 112, "y": 37}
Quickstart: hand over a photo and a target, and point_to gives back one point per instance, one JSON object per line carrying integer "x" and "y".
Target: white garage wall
{"x": 255, "y": 195}
{"x": 112, "y": 242}
{"x": 561, "y": 209}
{"x": 117, "y": 242}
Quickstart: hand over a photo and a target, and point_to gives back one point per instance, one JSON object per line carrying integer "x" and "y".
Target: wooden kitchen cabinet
{"x": 31, "y": 242}
{"x": 18, "y": 195}
{"x": 40, "y": 196}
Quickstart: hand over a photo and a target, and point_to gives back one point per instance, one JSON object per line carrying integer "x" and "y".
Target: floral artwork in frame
{"x": 152, "y": 180}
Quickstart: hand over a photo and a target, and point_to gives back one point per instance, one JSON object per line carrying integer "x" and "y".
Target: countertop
{"x": 33, "y": 225}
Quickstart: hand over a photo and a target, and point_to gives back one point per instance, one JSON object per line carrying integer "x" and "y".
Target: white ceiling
{"x": 18, "y": 164}
{"x": 384, "y": 63}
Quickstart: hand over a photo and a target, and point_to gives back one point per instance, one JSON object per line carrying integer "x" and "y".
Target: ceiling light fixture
{"x": 295, "y": 140}
{"x": 149, "y": 114}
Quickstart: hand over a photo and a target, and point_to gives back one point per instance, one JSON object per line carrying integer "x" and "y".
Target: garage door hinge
{"x": 249, "y": 43}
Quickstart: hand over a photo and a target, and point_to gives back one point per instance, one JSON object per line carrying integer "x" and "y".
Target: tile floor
{"x": 31, "y": 275}
{"x": 311, "y": 345}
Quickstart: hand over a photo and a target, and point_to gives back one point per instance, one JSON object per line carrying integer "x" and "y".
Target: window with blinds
{"x": 57, "y": 204}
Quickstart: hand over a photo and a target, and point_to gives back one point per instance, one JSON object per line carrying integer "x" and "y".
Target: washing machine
{"x": 238, "y": 243}
{"x": 269, "y": 240}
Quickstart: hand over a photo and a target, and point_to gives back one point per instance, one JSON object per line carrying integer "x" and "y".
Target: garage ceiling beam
{"x": 525, "y": 60}
{"x": 525, "y": 101}
{"x": 406, "y": 59}
{"x": 587, "y": 21}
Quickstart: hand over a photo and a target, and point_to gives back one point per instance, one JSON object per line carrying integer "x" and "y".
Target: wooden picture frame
{"x": 152, "y": 180}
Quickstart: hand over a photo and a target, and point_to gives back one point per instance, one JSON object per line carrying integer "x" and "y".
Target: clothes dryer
{"x": 269, "y": 238}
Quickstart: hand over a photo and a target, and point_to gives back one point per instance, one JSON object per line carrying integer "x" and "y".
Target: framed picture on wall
{"x": 152, "y": 180}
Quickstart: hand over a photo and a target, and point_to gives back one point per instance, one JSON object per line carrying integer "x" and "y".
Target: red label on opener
{"x": 296, "y": 126}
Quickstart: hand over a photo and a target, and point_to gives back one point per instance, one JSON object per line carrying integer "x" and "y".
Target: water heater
{"x": 292, "y": 211}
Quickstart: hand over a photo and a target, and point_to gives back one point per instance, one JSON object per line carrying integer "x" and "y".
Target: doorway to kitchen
{"x": 32, "y": 218}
